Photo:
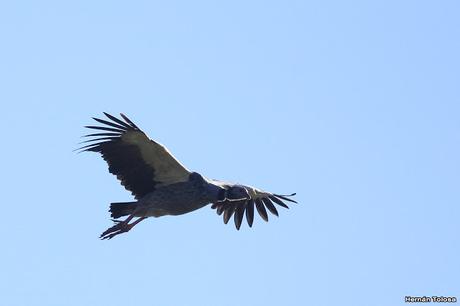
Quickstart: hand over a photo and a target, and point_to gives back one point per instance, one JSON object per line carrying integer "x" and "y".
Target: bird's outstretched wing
{"x": 140, "y": 163}
{"x": 261, "y": 200}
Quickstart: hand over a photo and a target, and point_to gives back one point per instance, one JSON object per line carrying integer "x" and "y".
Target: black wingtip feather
{"x": 261, "y": 209}
{"x": 129, "y": 121}
{"x": 101, "y": 134}
{"x": 115, "y": 119}
{"x": 98, "y": 139}
{"x": 94, "y": 147}
{"x": 269, "y": 205}
{"x": 250, "y": 212}
{"x": 239, "y": 214}
{"x": 228, "y": 212}
{"x": 220, "y": 209}
{"x": 278, "y": 201}
{"x": 284, "y": 197}
{"x": 118, "y": 126}
{"x": 103, "y": 128}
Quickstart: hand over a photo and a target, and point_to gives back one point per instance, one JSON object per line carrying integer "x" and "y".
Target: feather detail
{"x": 250, "y": 212}
{"x": 261, "y": 209}
{"x": 270, "y": 206}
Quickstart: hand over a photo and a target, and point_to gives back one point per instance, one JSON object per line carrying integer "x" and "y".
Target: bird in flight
{"x": 162, "y": 186}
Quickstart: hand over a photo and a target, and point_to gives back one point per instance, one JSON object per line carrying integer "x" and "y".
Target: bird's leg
{"x": 121, "y": 227}
{"x": 118, "y": 226}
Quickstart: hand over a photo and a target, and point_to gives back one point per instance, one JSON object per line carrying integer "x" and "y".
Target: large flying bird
{"x": 162, "y": 186}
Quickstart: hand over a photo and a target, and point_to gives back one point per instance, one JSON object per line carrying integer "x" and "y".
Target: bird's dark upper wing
{"x": 260, "y": 201}
{"x": 140, "y": 163}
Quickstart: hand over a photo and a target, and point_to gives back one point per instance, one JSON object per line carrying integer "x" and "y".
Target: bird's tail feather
{"x": 120, "y": 209}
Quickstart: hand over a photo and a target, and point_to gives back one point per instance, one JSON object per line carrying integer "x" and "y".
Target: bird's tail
{"x": 120, "y": 209}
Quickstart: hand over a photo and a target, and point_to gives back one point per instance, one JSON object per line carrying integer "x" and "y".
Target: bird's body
{"x": 175, "y": 199}
{"x": 162, "y": 186}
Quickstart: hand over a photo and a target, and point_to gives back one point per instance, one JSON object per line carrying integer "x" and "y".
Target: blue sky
{"x": 353, "y": 105}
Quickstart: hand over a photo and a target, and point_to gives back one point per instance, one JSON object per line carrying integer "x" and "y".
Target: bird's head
{"x": 197, "y": 179}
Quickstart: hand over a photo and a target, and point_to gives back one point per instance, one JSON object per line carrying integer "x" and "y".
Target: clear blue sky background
{"x": 353, "y": 105}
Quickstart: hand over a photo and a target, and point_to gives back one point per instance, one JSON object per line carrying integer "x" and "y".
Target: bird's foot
{"x": 119, "y": 228}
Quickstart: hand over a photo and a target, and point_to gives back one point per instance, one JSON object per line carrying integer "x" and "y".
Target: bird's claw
{"x": 111, "y": 235}
{"x": 119, "y": 228}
